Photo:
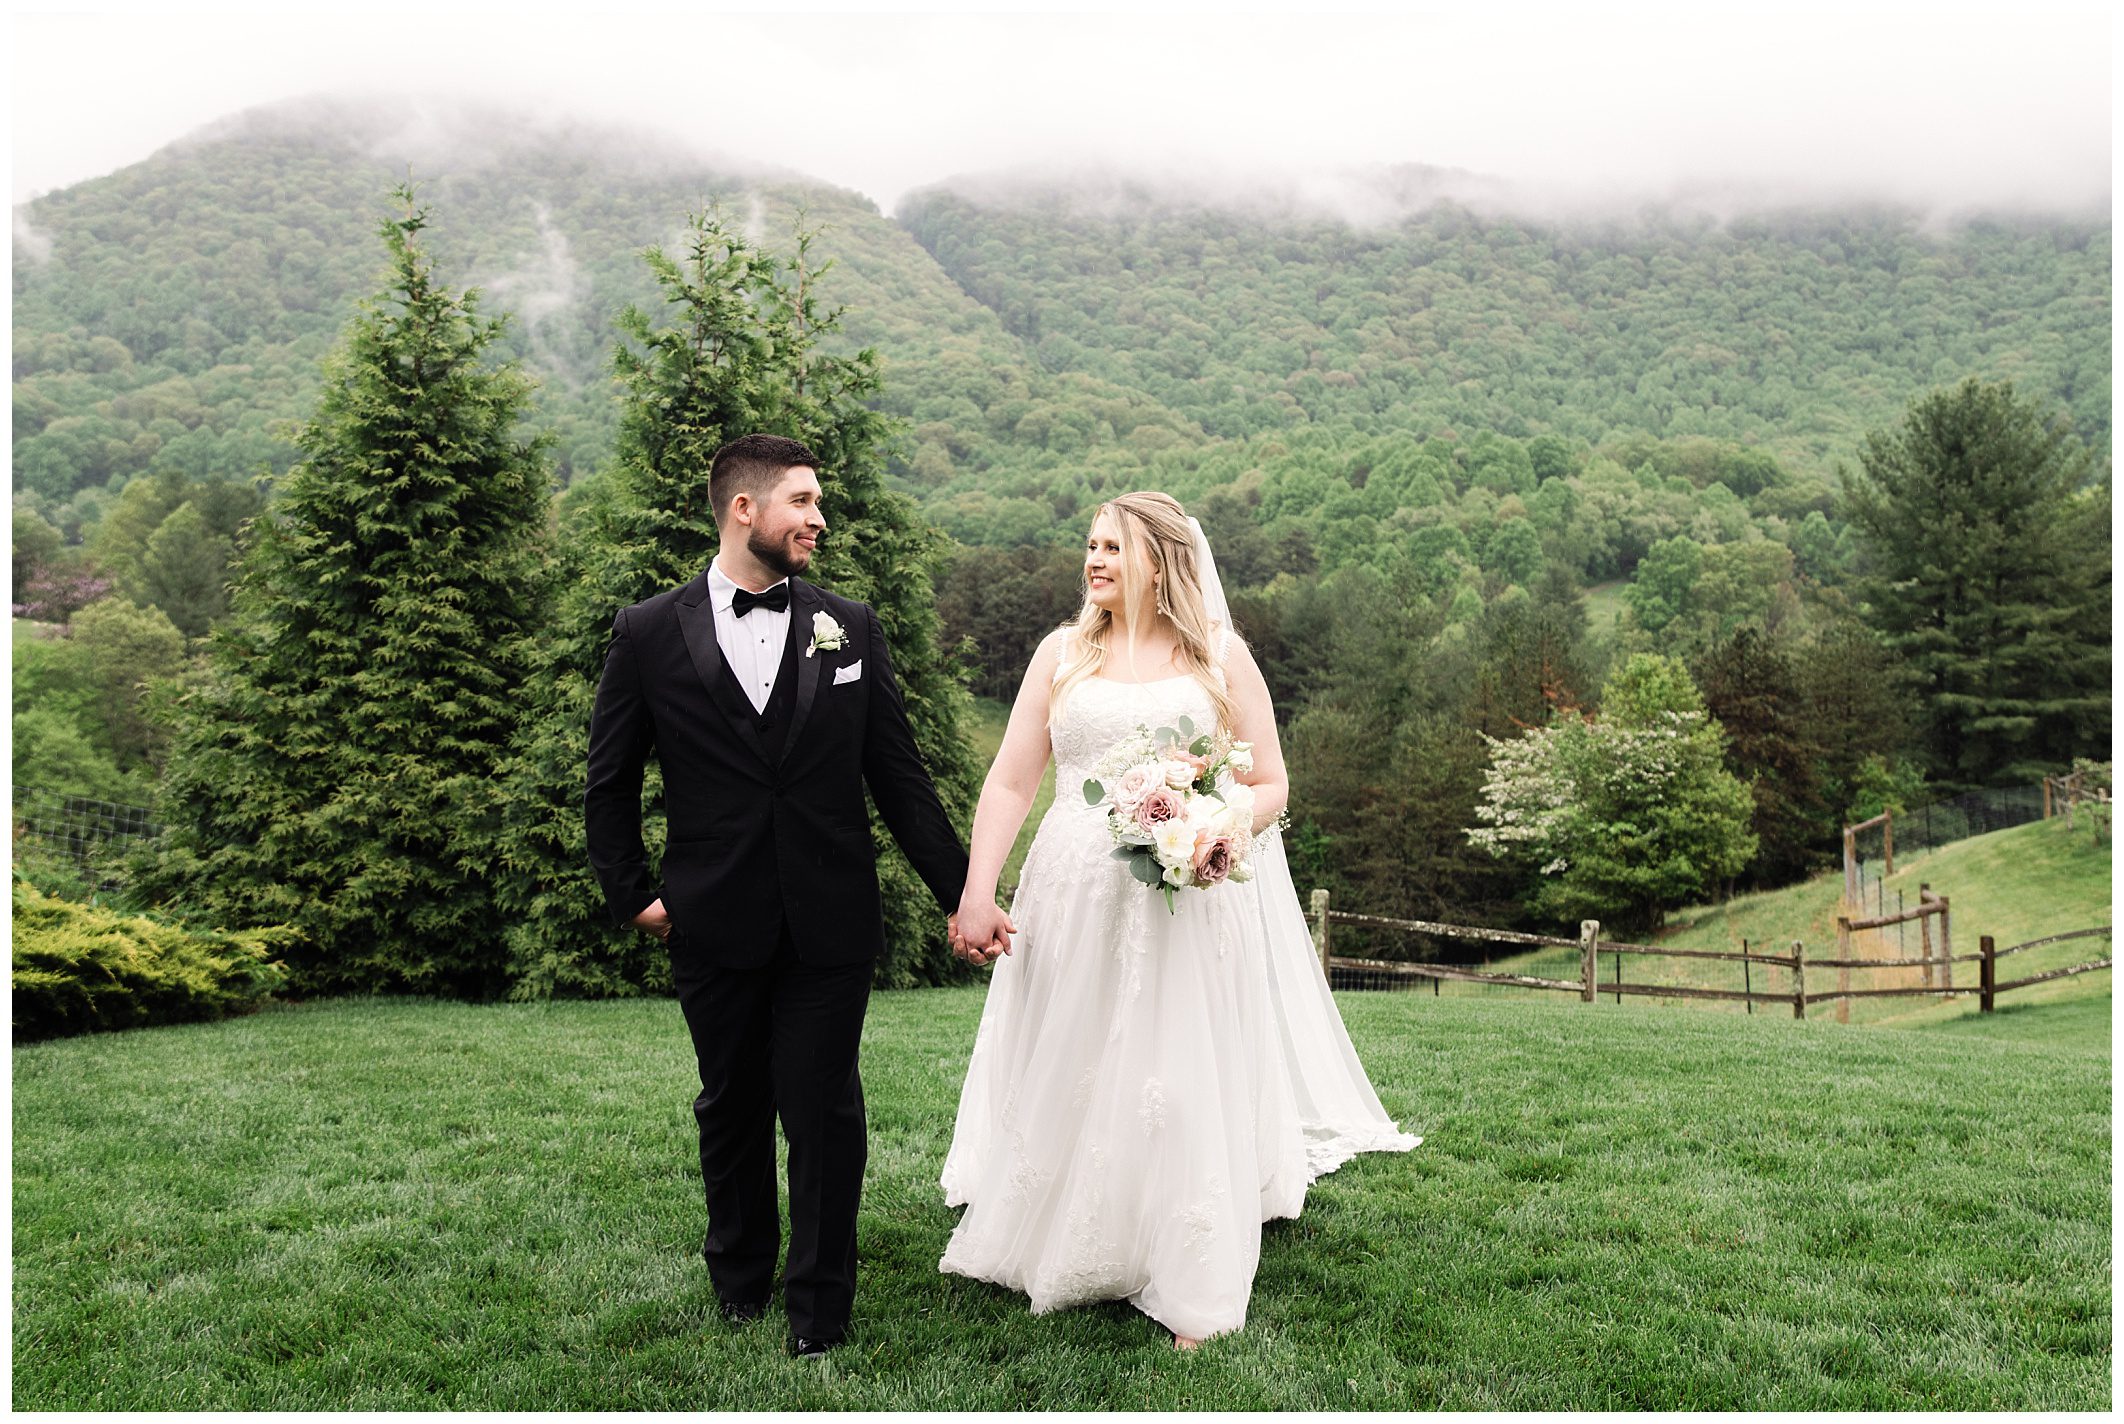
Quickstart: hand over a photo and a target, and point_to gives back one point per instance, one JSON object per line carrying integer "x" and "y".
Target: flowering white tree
{"x": 1626, "y": 815}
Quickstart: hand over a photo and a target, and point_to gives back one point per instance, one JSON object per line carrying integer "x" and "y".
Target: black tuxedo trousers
{"x": 770, "y": 879}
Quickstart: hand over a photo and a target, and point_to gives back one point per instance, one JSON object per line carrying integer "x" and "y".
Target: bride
{"x": 1147, "y": 1085}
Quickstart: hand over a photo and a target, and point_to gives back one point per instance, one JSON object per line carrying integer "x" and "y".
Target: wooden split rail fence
{"x": 1591, "y": 946}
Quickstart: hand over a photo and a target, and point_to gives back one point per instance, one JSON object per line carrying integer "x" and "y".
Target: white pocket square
{"x": 847, "y": 674}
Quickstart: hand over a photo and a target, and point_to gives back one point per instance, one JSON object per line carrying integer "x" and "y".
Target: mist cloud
{"x": 1546, "y": 109}
{"x": 31, "y": 245}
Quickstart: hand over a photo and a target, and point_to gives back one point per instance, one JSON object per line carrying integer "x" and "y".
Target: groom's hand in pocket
{"x": 654, "y": 920}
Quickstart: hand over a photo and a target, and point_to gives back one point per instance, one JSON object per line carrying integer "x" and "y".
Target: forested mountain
{"x": 172, "y": 314}
{"x": 1788, "y": 332}
{"x": 1041, "y": 342}
{"x": 1417, "y": 425}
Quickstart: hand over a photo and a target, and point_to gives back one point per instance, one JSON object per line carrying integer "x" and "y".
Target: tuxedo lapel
{"x": 804, "y": 601}
{"x": 696, "y": 615}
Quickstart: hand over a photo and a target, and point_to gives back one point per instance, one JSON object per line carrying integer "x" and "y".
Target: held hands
{"x": 980, "y": 932}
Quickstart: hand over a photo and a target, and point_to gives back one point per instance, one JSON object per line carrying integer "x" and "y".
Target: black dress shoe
{"x": 742, "y": 1312}
{"x": 803, "y": 1345}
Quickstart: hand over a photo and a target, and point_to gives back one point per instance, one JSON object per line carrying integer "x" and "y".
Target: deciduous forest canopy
{"x": 1459, "y": 463}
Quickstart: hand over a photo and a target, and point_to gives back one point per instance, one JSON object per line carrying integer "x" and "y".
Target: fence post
{"x": 1925, "y": 899}
{"x": 1989, "y": 969}
{"x": 1843, "y": 970}
{"x": 1946, "y": 944}
{"x": 1320, "y": 931}
{"x": 1851, "y": 885}
{"x": 1888, "y": 842}
{"x": 1588, "y": 957}
{"x": 1799, "y": 980}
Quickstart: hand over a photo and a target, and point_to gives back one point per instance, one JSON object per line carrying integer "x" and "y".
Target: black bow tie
{"x": 775, "y": 599}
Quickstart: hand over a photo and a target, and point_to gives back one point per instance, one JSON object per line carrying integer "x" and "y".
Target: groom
{"x": 770, "y": 704}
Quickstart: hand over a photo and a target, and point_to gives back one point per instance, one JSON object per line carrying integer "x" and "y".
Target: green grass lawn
{"x": 376, "y": 1204}
{"x": 2015, "y": 885}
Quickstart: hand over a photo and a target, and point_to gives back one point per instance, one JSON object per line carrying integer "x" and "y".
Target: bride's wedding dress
{"x": 1147, "y": 1087}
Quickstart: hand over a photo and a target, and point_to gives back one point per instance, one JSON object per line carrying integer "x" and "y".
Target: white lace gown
{"x": 1147, "y": 1088}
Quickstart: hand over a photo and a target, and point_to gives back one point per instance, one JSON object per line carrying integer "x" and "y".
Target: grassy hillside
{"x": 2015, "y": 885}
{"x": 403, "y": 1205}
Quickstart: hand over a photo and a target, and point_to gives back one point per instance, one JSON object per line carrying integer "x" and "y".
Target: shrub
{"x": 81, "y": 968}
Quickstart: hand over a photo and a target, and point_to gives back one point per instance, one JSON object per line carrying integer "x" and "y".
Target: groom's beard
{"x": 784, "y": 558}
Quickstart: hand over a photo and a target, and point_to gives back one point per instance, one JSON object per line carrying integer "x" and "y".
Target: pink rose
{"x": 1136, "y": 783}
{"x": 1159, "y": 806}
{"x": 1213, "y": 859}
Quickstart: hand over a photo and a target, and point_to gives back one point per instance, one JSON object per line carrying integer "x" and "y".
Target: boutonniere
{"x": 827, "y": 634}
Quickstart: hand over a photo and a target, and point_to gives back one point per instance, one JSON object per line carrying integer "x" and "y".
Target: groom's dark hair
{"x": 752, "y": 464}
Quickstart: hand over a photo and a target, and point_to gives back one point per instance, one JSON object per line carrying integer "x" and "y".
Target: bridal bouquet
{"x": 1178, "y": 812}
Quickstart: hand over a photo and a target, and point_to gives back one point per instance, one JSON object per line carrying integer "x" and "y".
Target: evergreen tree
{"x": 1986, "y": 533}
{"x": 1750, "y": 688}
{"x": 740, "y": 354}
{"x": 184, "y": 570}
{"x": 1855, "y": 709}
{"x": 337, "y": 771}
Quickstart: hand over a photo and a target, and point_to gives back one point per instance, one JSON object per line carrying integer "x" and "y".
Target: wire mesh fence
{"x": 1935, "y": 824}
{"x": 1343, "y": 976}
{"x": 78, "y": 840}
{"x": 1973, "y": 813}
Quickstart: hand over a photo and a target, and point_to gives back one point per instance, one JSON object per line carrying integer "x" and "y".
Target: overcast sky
{"x": 1978, "y": 106}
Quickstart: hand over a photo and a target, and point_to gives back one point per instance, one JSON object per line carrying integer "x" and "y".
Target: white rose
{"x": 1206, "y": 813}
{"x": 1242, "y": 757}
{"x": 1240, "y": 797}
{"x": 1180, "y": 775}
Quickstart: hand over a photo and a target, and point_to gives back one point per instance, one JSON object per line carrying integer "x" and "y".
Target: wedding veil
{"x": 1341, "y": 1113}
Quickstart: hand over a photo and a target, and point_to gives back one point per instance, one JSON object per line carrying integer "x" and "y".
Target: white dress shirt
{"x": 752, "y": 645}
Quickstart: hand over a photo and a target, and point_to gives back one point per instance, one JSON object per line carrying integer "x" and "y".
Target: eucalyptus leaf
{"x": 1094, "y": 793}
{"x": 1146, "y": 869}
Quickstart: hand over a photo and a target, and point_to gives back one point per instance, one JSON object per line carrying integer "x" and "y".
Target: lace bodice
{"x": 1099, "y": 713}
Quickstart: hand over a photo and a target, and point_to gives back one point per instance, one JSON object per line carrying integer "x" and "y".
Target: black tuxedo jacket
{"x": 759, "y": 842}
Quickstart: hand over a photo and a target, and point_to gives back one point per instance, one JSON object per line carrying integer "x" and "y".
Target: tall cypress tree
{"x": 738, "y": 353}
{"x": 337, "y": 772}
{"x": 1986, "y": 533}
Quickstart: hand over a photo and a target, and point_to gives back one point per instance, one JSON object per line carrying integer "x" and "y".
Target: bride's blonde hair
{"x": 1152, "y": 530}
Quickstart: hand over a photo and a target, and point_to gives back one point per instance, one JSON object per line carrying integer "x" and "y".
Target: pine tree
{"x": 337, "y": 772}
{"x": 1751, "y": 688}
{"x": 740, "y": 354}
{"x": 1986, "y": 533}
